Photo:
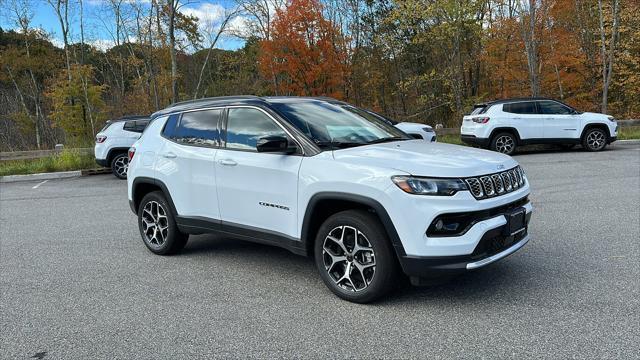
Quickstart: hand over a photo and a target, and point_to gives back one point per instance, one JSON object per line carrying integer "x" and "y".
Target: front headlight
{"x": 429, "y": 186}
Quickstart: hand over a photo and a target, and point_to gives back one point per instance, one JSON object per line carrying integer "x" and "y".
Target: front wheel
{"x": 354, "y": 256}
{"x": 594, "y": 140}
{"x": 504, "y": 143}
{"x": 120, "y": 165}
{"x": 158, "y": 226}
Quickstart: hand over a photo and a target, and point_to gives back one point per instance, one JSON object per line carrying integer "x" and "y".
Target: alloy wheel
{"x": 505, "y": 144}
{"x": 121, "y": 166}
{"x": 155, "y": 224}
{"x": 349, "y": 258}
{"x": 596, "y": 140}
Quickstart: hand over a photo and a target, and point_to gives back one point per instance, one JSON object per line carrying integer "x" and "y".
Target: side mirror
{"x": 276, "y": 144}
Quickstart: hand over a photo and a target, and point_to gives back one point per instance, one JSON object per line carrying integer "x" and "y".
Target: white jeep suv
{"x": 364, "y": 199}
{"x": 115, "y": 139}
{"x": 505, "y": 124}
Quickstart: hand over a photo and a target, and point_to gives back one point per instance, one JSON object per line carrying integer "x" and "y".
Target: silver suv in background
{"x": 114, "y": 140}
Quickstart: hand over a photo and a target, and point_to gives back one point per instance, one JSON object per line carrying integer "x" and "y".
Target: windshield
{"x": 338, "y": 126}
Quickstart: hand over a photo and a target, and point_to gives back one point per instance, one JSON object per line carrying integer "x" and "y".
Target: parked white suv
{"x": 504, "y": 125}
{"x": 366, "y": 200}
{"x": 115, "y": 139}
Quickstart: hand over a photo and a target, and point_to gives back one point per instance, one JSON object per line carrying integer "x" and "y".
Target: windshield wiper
{"x": 338, "y": 144}
{"x": 387, "y": 139}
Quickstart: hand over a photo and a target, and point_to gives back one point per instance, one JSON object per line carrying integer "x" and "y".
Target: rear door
{"x": 560, "y": 121}
{"x": 186, "y": 162}
{"x": 524, "y": 117}
{"x": 256, "y": 190}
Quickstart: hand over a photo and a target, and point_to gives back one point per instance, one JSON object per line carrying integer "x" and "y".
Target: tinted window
{"x": 198, "y": 128}
{"x": 479, "y": 109}
{"x": 554, "y": 108}
{"x": 169, "y": 129}
{"x": 245, "y": 126}
{"x": 520, "y": 108}
{"x": 135, "y": 125}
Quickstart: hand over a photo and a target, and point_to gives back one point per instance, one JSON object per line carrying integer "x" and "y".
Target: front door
{"x": 560, "y": 121}
{"x": 256, "y": 190}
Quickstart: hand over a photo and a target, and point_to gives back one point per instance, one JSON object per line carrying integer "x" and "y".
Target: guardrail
{"x": 36, "y": 154}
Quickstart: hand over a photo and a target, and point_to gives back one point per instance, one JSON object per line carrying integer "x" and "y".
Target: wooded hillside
{"x": 419, "y": 60}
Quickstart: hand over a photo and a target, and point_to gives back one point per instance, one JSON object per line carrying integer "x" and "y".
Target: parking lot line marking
{"x": 37, "y": 186}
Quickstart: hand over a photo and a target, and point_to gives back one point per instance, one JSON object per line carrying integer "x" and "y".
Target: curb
{"x": 53, "y": 175}
{"x": 630, "y": 141}
{"x": 41, "y": 176}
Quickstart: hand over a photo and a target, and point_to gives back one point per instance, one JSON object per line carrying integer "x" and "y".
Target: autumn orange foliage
{"x": 306, "y": 54}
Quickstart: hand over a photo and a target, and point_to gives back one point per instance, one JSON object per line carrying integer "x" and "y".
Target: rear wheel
{"x": 354, "y": 256}
{"x": 158, "y": 226}
{"x": 504, "y": 142}
{"x": 120, "y": 165}
{"x": 594, "y": 139}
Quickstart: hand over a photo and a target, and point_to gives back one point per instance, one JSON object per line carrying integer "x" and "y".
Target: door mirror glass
{"x": 275, "y": 144}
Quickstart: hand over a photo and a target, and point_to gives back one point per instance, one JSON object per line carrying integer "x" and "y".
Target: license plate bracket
{"x": 516, "y": 222}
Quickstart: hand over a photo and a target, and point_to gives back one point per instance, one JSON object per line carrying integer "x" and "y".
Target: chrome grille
{"x": 496, "y": 184}
{"x": 506, "y": 179}
{"x": 487, "y": 184}
{"x": 475, "y": 187}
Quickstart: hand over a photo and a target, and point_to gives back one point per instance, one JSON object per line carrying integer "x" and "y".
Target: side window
{"x": 554, "y": 108}
{"x": 198, "y": 128}
{"x": 528, "y": 107}
{"x": 135, "y": 125}
{"x": 130, "y": 126}
{"x": 169, "y": 129}
{"x": 245, "y": 126}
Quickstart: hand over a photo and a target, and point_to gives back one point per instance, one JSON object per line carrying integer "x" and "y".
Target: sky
{"x": 99, "y": 21}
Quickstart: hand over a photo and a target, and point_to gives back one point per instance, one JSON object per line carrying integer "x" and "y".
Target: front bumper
{"x": 428, "y": 267}
{"x": 475, "y": 141}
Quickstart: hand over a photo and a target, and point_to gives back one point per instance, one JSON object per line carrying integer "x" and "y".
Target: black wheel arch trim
{"x": 151, "y": 181}
{"x": 601, "y": 126}
{"x": 387, "y": 223}
{"x": 498, "y": 130}
{"x": 114, "y": 152}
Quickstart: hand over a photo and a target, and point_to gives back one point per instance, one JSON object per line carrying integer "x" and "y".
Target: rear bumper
{"x": 102, "y": 162}
{"x": 492, "y": 247}
{"x": 476, "y": 141}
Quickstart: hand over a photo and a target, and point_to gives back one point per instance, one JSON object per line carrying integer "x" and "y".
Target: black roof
{"x": 234, "y": 100}
{"x": 508, "y": 100}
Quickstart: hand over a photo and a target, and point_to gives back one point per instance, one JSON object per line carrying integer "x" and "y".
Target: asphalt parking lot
{"x": 77, "y": 282}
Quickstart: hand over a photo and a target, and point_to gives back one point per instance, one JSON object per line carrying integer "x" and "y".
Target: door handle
{"x": 169, "y": 155}
{"x": 227, "y": 162}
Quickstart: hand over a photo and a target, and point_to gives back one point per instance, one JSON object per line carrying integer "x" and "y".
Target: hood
{"x": 418, "y": 158}
{"x": 593, "y": 115}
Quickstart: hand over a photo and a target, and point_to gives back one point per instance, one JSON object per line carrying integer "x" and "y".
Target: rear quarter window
{"x": 527, "y": 107}
{"x": 479, "y": 109}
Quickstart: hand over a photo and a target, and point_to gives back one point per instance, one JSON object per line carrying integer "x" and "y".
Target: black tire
{"x": 120, "y": 165}
{"x": 504, "y": 142}
{"x": 381, "y": 273}
{"x": 168, "y": 238}
{"x": 594, "y": 139}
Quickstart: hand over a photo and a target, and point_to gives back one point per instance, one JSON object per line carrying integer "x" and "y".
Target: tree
{"x": 305, "y": 52}
{"x": 608, "y": 55}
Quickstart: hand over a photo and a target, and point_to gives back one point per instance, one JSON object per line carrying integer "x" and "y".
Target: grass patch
{"x": 67, "y": 160}
{"x": 629, "y": 132}
{"x": 450, "y": 139}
